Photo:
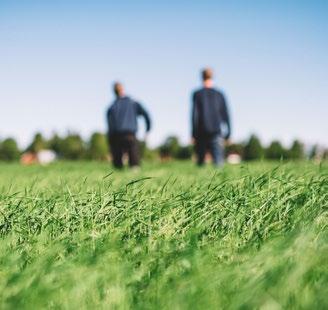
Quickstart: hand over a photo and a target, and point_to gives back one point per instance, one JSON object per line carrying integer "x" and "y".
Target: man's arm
{"x": 194, "y": 116}
{"x": 108, "y": 119}
{"x": 141, "y": 111}
{"x": 226, "y": 118}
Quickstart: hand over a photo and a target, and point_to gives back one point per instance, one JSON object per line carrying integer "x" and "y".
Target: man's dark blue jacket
{"x": 209, "y": 113}
{"x": 122, "y": 116}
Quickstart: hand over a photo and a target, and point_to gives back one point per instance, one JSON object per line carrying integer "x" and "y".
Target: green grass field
{"x": 172, "y": 236}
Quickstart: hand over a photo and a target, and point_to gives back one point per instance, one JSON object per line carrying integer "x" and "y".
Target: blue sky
{"x": 58, "y": 60}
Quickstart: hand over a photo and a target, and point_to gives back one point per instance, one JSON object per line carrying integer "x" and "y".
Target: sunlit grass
{"x": 169, "y": 236}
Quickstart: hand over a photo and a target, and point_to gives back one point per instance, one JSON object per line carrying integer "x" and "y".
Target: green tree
{"x": 184, "y": 152}
{"x": 9, "y": 150}
{"x": 313, "y": 152}
{"x": 146, "y": 152}
{"x": 296, "y": 151}
{"x": 72, "y": 147}
{"x": 98, "y": 147}
{"x": 275, "y": 151}
{"x": 253, "y": 149}
{"x": 38, "y": 144}
{"x": 170, "y": 147}
{"x": 55, "y": 144}
{"x": 325, "y": 154}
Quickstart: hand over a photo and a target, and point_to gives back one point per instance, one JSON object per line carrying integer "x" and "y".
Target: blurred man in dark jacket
{"x": 122, "y": 127}
{"x": 210, "y": 120}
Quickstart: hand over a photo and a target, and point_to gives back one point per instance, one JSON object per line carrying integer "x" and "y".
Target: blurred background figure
{"x": 122, "y": 127}
{"x": 210, "y": 120}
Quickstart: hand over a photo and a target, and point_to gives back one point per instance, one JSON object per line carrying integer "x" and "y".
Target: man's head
{"x": 207, "y": 77}
{"x": 118, "y": 89}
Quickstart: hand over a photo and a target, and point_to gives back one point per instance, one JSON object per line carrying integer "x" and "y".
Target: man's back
{"x": 209, "y": 112}
{"x": 122, "y": 116}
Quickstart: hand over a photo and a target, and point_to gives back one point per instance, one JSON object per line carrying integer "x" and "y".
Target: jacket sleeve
{"x": 194, "y": 116}
{"x": 226, "y": 117}
{"x": 141, "y": 111}
{"x": 108, "y": 117}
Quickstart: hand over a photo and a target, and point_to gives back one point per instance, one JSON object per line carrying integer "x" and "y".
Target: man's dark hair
{"x": 118, "y": 89}
{"x": 207, "y": 74}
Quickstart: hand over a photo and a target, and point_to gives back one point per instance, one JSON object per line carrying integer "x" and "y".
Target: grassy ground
{"x": 77, "y": 235}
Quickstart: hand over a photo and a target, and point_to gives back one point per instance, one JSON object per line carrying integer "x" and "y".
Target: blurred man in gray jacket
{"x": 210, "y": 120}
{"x": 122, "y": 127}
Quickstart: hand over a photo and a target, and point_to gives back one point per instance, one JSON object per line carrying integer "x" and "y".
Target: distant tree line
{"x": 73, "y": 147}
{"x": 253, "y": 149}
{"x": 250, "y": 150}
{"x": 69, "y": 147}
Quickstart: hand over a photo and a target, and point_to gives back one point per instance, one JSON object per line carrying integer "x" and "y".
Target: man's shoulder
{"x": 129, "y": 100}
{"x": 209, "y": 89}
{"x": 112, "y": 105}
{"x": 197, "y": 92}
{"x": 218, "y": 92}
{"x": 214, "y": 90}
{"x": 124, "y": 100}
{"x": 203, "y": 90}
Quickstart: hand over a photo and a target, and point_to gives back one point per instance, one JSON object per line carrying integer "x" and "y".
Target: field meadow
{"x": 170, "y": 236}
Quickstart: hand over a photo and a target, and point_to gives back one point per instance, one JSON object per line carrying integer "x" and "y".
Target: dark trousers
{"x": 121, "y": 144}
{"x": 211, "y": 143}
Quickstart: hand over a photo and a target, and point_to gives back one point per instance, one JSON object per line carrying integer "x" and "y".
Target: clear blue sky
{"x": 58, "y": 60}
